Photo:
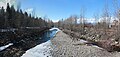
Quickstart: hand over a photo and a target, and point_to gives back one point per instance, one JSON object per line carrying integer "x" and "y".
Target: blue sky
{"x": 58, "y": 9}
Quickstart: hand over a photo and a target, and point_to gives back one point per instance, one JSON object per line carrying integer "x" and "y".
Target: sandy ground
{"x": 63, "y": 46}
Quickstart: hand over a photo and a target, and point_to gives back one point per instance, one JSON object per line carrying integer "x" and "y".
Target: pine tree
{"x": 2, "y": 18}
{"x": 8, "y": 15}
{"x": 17, "y": 19}
{"x": 13, "y": 13}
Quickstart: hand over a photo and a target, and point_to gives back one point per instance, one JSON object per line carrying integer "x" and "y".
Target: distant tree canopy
{"x": 11, "y": 18}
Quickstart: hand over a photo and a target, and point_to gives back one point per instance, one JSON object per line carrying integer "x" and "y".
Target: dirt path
{"x": 63, "y": 46}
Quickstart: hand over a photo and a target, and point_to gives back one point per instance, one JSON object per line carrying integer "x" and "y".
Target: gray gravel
{"x": 64, "y": 46}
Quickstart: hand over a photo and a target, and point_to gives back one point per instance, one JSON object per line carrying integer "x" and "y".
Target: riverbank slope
{"x": 15, "y": 43}
{"x": 64, "y": 46}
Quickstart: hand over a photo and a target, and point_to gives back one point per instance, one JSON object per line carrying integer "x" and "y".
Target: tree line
{"x": 12, "y": 18}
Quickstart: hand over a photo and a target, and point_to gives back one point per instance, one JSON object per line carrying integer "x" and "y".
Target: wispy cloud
{"x": 3, "y": 3}
{"x": 90, "y": 20}
{"x": 55, "y": 20}
{"x": 29, "y": 10}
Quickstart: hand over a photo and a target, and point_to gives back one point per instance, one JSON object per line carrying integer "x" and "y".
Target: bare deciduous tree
{"x": 106, "y": 18}
{"x": 96, "y": 18}
{"x": 117, "y": 16}
{"x": 82, "y": 19}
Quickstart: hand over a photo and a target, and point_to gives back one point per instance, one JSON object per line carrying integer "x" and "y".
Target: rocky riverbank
{"x": 64, "y": 46}
{"x": 110, "y": 44}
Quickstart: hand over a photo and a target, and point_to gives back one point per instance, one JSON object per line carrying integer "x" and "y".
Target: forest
{"x": 103, "y": 33}
{"x": 21, "y": 29}
{"x": 12, "y": 18}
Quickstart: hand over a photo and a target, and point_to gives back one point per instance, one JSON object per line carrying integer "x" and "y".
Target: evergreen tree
{"x": 2, "y": 18}
{"x": 8, "y": 15}
{"x": 13, "y": 13}
{"x": 17, "y": 19}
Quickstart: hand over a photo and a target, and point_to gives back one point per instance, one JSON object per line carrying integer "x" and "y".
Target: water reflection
{"x": 47, "y": 35}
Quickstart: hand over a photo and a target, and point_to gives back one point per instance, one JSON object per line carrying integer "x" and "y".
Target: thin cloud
{"x": 55, "y": 20}
{"x": 29, "y": 10}
{"x": 3, "y": 3}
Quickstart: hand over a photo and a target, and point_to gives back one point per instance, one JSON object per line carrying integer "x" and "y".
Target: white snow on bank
{"x": 83, "y": 41}
{"x": 54, "y": 29}
{"x": 6, "y": 46}
{"x": 7, "y": 30}
{"x": 96, "y": 46}
{"x": 42, "y": 50}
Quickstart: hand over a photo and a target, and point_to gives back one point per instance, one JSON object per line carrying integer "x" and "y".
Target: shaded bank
{"x": 22, "y": 39}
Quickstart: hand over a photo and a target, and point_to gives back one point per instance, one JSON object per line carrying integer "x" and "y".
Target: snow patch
{"x": 54, "y": 29}
{"x": 57, "y": 30}
{"x": 83, "y": 41}
{"x": 6, "y": 46}
{"x": 96, "y": 46}
{"x": 42, "y": 50}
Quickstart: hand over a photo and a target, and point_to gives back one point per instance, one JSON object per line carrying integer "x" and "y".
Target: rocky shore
{"x": 64, "y": 46}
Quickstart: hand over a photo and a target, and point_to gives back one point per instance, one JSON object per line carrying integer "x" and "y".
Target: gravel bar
{"x": 64, "y": 46}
